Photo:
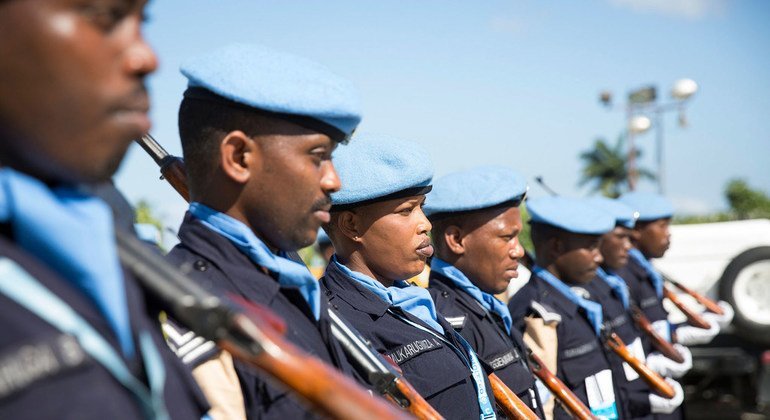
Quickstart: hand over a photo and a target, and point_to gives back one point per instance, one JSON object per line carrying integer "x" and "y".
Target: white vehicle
{"x": 728, "y": 261}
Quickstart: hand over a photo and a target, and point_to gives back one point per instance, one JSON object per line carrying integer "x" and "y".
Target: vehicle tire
{"x": 745, "y": 284}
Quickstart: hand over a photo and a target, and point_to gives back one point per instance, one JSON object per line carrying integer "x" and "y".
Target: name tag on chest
{"x": 413, "y": 349}
{"x": 500, "y": 361}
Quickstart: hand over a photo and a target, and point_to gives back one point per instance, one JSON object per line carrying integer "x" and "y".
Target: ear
{"x": 350, "y": 225}
{"x": 556, "y": 247}
{"x": 453, "y": 236}
{"x": 240, "y": 156}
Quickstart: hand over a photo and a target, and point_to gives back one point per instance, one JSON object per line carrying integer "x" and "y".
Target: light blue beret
{"x": 570, "y": 214}
{"x": 278, "y": 83}
{"x": 375, "y": 167}
{"x": 475, "y": 189}
{"x": 649, "y": 205}
{"x": 624, "y": 215}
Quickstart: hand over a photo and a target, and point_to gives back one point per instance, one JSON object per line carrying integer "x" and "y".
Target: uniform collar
{"x": 464, "y": 299}
{"x": 554, "y": 296}
{"x": 347, "y": 289}
{"x": 220, "y": 252}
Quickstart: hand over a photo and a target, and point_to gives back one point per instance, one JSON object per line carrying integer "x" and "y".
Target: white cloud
{"x": 688, "y": 9}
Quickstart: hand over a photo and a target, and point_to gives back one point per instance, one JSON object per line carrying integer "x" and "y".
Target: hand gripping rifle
{"x": 660, "y": 343}
{"x": 250, "y": 338}
{"x": 703, "y": 300}
{"x": 655, "y": 381}
{"x": 568, "y": 400}
{"x": 371, "y": 365}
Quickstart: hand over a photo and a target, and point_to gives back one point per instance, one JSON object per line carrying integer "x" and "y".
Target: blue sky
{"x": 512, "y": 83}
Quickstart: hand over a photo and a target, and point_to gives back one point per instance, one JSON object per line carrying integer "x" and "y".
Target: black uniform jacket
{"x": 45, "y": 374}
{"x": 219, "y": 266}
{"x": 580, "y": 352}
{"x": 643, "y": 293}
{"x": 635, "y": 393}
{"x": 485, "y": 332}
{"x": 430, "y": 365}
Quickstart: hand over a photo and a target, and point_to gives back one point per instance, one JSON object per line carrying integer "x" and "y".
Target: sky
{"x": 512, "y": 83}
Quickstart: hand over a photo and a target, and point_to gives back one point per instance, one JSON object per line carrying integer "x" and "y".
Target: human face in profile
{"x": 72, "y": 94}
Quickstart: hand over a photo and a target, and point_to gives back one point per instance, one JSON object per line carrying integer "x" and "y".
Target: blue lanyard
{"x": 487, "y": 412}
{"x": 18, "y": 285}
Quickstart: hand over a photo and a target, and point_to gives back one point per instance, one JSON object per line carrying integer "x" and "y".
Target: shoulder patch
{"x": 548, "y": 316}
{"x": 457, "y": 322}
{"x": 189, "y": 347}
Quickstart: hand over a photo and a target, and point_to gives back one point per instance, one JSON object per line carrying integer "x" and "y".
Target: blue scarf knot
{"x": 655, "y": 277}
{"x": 290, "y": 273}
{"x": 73, "y": 234}
{"x": 488, "y": 301}
{"x": 412, "y": 299}
{"x": 593, "y": 310}
{"x": 617, "y": 284}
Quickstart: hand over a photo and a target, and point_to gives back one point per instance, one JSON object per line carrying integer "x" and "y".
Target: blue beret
{"x": 291, "y": 87}
{"x": 624, "y": 215}
{"x": 570, "y": 214}
{"x": 475, "y": 189}
{"x": 323, "y": 238}
{"x": 377, "y": 168}
{"x": 649, "y": 205}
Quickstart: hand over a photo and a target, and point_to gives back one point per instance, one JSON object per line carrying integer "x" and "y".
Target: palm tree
{"x": 607, "y": 168}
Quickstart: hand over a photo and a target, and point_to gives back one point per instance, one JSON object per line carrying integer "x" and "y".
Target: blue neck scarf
{"x": 412, "y": 299}
{"x": 73, "y": 234}
{"x": 616, "y": 283}
{"x": 593, "y": 310}
{"x": 491, "y": 303}
{"x": 290, "y": 273}
{"x": 655, "y": 277}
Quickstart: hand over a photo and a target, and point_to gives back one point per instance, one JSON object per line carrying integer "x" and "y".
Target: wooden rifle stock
{"x": 693, "y": 318}
{"x": 660, "y": 343}
{"x": 389, "y": 384}
{"x": 171, "y": 167}
{"x": 510, "y": 403}
{"x": 250, "y": 338}
{"x": 703, "y": 300}
{"x": 655, "y": 381}
{"x": 566, "y": 398}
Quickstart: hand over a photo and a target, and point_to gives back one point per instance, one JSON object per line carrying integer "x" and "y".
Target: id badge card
{"x": 601, "y": 395}
{"x": 637, "y": 351}
{"x": 663, "y": 329}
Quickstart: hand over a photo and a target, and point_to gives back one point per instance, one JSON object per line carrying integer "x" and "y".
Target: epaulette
{"x": 457, "y": 322}
{"x": 192, "y": 349}
{"x": 545, "y": 313}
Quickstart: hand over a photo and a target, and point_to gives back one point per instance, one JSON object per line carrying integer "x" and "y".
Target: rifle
{"x": 510, "y": 403}
{"x": 660, "y": 343}
{"x": 568, "y": 400}
{"x": 655, "y": 381}
{"x": 370, "y": 364}
{"x": 249, "y": 337}
{"x": 379, "y": 373}
{"x": 693, "y": 318}
{"x": 703, "y": 300}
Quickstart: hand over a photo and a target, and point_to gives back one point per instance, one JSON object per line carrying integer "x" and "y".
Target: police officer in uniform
{"x": 650, "y": 239}
{"x": 612, "y": 294}
{"x": 78, "y": 341}
{"x": 559, "y": 324}
{"x": 258, "y": 128}
{"x": 476, "y": 225}
{"x": 380, "y": 237}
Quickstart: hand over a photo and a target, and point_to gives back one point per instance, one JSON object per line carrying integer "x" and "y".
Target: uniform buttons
{"x": 328, "y": 293}
{"x": 336, "y": 307}
{"x": 200, "y": 265}
{"x": 445, "y": 294}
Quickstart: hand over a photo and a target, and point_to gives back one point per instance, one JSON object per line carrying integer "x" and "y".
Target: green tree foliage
{"x": 605, "y": 167}
{"x": 746, "y": 202}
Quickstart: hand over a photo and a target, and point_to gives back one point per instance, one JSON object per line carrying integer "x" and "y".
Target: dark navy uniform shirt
{"x": 580, "y": 353}
{"x": 485, "y": 332}
{"x": 45, "y": 374}
{"x": 430, "y": 365}
{"x": 642, "y": 294}
{"x": 219, "y": 266}
{"x": 635, "y": 393}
